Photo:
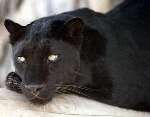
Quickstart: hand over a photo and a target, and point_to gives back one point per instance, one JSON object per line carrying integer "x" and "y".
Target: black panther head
{"x": 46, "y": 54}
{"x": 58, "y": 54}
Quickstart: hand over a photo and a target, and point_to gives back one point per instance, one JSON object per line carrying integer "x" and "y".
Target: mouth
{"x": 38, "y": 98}
{"x": 36, "y": 95}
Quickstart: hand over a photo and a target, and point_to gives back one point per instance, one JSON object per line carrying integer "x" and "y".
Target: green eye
{"x": 53, "y": 57}
{"x": 21, "y": 59}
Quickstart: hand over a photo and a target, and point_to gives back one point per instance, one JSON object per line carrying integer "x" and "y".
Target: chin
{"x": 39, "y": 100}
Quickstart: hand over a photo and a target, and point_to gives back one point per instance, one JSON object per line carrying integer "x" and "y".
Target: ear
{"x": 15, "y": 30}
{"x": 74, "y": 31}
{"x": 74, "y": 27}
{"x": 94, "y": 45}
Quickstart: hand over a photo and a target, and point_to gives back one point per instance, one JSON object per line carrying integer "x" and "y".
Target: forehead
{"x": 43, "y": 46}
{"x": 38, "y": 36}
{"x": 43, "y": 35}
{"x": 46, "y": 27}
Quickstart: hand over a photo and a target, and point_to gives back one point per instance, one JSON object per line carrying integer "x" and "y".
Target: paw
{"x": 13, "y": 82}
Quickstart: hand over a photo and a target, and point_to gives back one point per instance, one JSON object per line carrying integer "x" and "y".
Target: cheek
{"x": 20, "y": 69}
{"x": 72, "y": 65}
{"x": 67, "y": 72}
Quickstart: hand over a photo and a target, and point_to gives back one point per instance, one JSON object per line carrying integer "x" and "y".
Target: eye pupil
{"x": 52, "y": 57}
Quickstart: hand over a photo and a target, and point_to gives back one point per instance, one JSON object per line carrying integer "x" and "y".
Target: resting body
{"x": 101, "y": 57}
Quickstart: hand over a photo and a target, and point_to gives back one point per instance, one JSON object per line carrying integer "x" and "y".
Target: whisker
{"x": 73, "y": 86}
{"x": 75, "y": 91}
{"x": 72, "y": 89}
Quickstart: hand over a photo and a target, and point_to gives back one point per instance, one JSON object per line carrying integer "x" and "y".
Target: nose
{"x": 34, "y": 88}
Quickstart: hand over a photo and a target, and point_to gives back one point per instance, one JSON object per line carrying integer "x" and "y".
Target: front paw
{"x": 13, "y": 82}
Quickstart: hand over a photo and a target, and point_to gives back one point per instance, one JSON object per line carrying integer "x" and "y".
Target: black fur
{"x": 102, "y": 57}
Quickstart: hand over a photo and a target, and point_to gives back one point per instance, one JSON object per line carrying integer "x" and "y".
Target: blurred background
{"x": 25, "y": 11}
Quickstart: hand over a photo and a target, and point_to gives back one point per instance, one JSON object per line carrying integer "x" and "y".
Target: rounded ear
{"x": 93, "y": 45}
{"x": 15, "y": 30}
{"x": 74, "y": 26}
{"x": 73, "y": 31}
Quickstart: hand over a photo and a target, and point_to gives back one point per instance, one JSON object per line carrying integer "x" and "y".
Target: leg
{"x": 13, "y": 82}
